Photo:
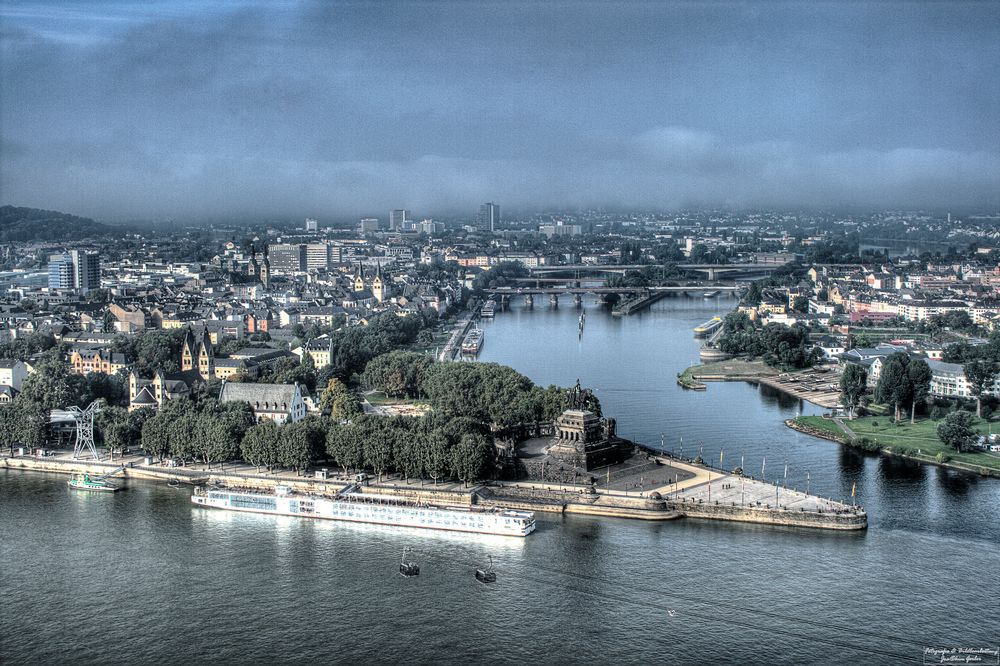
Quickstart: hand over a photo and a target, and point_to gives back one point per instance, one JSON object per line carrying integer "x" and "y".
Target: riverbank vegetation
{"x": 785, "y": 347}
{"x": 918, "y": 440}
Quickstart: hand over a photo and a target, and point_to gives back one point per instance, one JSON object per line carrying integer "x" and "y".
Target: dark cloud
{"x": 343, "y": 108}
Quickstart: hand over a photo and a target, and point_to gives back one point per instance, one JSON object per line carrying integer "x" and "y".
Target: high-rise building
{"x": 489, "y": 217}
{"x": 369, "y": 225}
{"x": 398, "y": 219}
{"x": 311, "y": 224}
{"x": 75, "y": 270}
{"x": 61, "y": 273}
{"x": 288, "y": 257}
{"x": 317, "y": 256}
{"x": 430, "y": 227}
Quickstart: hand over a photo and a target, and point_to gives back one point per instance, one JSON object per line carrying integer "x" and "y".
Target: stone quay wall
{"x": 845, "y": 520}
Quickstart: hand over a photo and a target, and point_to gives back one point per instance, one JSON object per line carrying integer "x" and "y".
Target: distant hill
{"x": 35, "y": 224}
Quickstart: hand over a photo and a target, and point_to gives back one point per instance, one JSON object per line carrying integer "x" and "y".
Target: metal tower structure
{"x": 84, "y": 419}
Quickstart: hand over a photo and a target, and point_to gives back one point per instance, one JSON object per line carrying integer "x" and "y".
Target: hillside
{"x": 35, "y": 224}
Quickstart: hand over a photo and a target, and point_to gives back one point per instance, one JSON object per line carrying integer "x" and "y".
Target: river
{"x": 141, "y": 577}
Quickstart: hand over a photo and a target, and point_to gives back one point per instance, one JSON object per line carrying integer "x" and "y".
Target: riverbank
{"x": 692, "y": 498}
{"x": 819, "y": 387}
{"x": 915, "y": 442}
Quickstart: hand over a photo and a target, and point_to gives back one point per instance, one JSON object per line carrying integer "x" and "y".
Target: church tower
{"x": 188, "y": 351}
{"x": 265, "y": 271}
{"x": 252, "y": 268}
{"x": 206, "y": 357}
{"x": 378, "y": 290}
{"x": 359, "y": 279}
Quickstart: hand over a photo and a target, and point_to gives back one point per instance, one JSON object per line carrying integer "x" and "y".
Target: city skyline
{"x": 253, "y": 109}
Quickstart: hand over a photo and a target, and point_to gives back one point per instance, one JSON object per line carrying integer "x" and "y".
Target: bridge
{"x": 711, "y": 271}
{"x": 650, "y": 294}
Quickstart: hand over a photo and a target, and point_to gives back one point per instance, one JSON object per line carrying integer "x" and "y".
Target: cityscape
{"x": 291, "y": 373}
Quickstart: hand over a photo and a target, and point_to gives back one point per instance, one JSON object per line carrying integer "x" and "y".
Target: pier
{"x": 640, "y": 490}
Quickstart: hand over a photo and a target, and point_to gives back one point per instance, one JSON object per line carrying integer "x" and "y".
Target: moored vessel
{"x": 353, "y": 506}
{"x": 708, "y": 327}
{"x": 489, "y": 309}
{"x": 473, "y": 341}
{"x": 85, "y": 482}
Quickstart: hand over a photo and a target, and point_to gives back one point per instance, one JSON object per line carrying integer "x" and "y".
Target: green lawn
{"x": 919, "y": 439}
{"x": 380, "y": 398}
{"x": 733, "y": 367}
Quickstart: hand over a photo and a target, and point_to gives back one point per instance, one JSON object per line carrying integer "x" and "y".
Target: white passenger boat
{"x": 353, "y": 506}
{"x": 473, "y": 341}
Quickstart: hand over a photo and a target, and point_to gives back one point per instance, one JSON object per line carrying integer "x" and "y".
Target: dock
{"x": 633, "y": 305}
{"x": 712, "y": 495}
{"x": 699, "y": 493}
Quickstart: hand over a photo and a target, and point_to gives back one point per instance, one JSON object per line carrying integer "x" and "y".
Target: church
{"x": 368, "y": 292}
{"x": 256, "y": 275}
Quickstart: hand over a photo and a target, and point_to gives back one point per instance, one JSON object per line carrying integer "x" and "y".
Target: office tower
{"x": 430, "y": 227}
{"x": 61, "y": 273}
{"x": 311, "y": 224}
{"x": 489, "y": 217}
{"x": 369, "y": 225}
{"x": 87, "y": 271}
{"x": 398, "y": 219}
{"x": 288, "y": 257}
{"x": 75, "y": 270}
{"x": 317, "y": 256}
{"x": 336, "y": 254}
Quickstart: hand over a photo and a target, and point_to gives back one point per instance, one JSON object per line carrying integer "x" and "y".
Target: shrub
{"x": 942, "y": 457}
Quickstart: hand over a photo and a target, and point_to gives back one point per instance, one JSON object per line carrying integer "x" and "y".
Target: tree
{"x": 801, "y": 304}
{"x": 340, "y": 400}
{"x": 894, "y": 386}
{"x": 980, "y": 374}
{"x": 436, "y": 456}
{"x": 957, "y": 431}
{"x": 116, "y": 429}
{"x": 470, "y": 457}
{"x": 52, "y": 386}
{"x": 259, "y": 446}
{"x": 397, "y": 373}
{"x": 920, "y": 384}
{"x": 853, "y": 384}
{"x": 301, "y": 443}
{"x": 343, "y": 444}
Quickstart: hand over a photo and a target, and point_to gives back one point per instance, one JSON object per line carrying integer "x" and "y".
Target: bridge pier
{"x": 529, "y": 301}
{"x": 504, "y": 302}
{"x": 554, "y": 300}
{"x": 577, "y": 300}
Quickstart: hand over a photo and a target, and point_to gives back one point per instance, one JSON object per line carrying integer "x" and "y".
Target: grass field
{"x": 379, "y": 398}
{"x": 919, "y": 439}
{"x": 730, "y": 368}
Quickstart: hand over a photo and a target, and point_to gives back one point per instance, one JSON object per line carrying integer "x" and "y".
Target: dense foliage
{"x": 34, "y": 224}
{"x": 903, "y": 380}
{"x": 777, "y": 344}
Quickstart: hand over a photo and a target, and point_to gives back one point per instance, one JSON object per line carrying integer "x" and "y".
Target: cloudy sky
{"x": 198, "y": 109}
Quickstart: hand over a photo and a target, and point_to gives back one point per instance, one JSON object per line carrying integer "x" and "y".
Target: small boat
{"x": 174, "y": 483}
{"x": 408, "y": 568}
{"x": 487, "y": 575}
{"x": 84, "y": 482}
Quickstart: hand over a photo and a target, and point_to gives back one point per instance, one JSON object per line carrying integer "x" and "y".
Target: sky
{"x": 196, "y": 110}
